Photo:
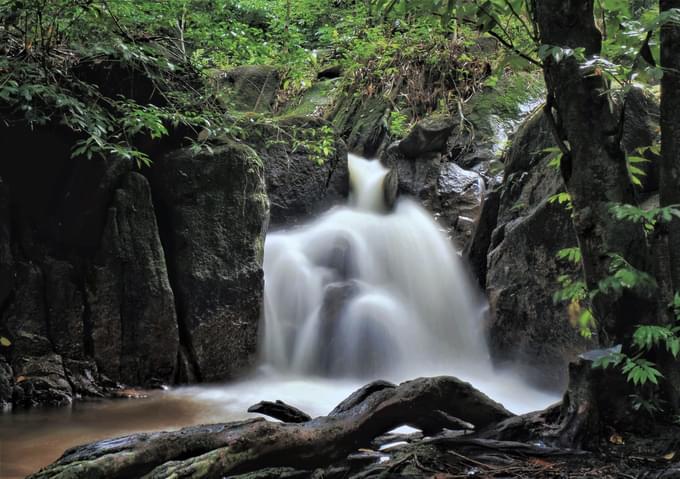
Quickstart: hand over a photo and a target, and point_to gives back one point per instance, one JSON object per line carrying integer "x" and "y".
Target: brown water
{"x": 30, "y": 440}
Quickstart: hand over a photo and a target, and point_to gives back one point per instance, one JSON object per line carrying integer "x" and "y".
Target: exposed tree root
{"x": 242, "y": 447}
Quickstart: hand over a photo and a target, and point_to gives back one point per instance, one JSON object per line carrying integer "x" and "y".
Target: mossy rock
{"x": 362, "y": 122}
{"x": 250, "y": 88}
{"x": 315, "y": 101}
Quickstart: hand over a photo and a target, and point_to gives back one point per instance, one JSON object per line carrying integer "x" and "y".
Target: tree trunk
{"x": 588, "y": 127}
{"x": 670, "y": 178}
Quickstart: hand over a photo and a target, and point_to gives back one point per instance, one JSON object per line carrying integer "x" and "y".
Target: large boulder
{"x": 300, "y": 182}
{"x": 528, "y": 329}
{"x": 429, "y": 135}
{"x": 132, "y": 307}
{"x": 454, "y": 195}
{"x": 213, "y": 216}
{"x": 521, "y": 268}
{"x": 252, "y": 87}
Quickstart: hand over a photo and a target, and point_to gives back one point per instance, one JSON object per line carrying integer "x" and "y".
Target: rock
{"x": 134, "y": 326}
{"x": 65, "y": 309}
{"x": 460, "y": 195}
{"x": 41, "y": 381}
{"x": 415, "y": 178}
{"x": 491, "y": 117}
{"x": 333, "y": 71}
{"x": 6, "y": 276}
{"x": 84, "y": 378}
{"x": 6, "y": 384}
{"x": 453, "y": 194}
{"x": 215, "y": 214}
{"x": 362, "y": 123}
{"x": 528, "y": 329}
{"x": 84, "y": 200}
{"x": 27, "y": 314}
{"x": 316, "y": 101}
{"x": 478, "y": 247}
{"x": 298, "y": 187}
{"x": 252, "y": 87}
{"x": 429, "y": 135}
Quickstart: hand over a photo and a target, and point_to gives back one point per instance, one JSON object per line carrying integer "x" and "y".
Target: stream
{"x": 357, "y": 294}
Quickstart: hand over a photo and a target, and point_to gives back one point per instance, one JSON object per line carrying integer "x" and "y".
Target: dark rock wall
{"x": 214, "y": 243}
{"x": 514, "y": 249}
{"x": 110, "y": 278}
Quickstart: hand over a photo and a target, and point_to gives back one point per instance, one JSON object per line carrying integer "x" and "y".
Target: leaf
{"x": 616, "y": 438}
{"x": 5, "y": 342}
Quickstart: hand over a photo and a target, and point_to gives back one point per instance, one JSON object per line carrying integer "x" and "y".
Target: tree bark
{"x": 587, "y": 126}
{"x": 226, "y": 449}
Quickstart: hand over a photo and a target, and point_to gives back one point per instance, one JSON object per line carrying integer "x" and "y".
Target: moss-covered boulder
{"x": 251, "y": 87}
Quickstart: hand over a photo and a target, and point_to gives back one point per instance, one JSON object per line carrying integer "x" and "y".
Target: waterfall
{"x": 365, "y": 293}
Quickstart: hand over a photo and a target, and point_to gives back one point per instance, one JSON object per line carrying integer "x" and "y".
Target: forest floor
{"x": 622, "y": 456}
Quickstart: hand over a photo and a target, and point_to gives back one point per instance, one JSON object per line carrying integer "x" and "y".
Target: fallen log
{"x": 281, "y": 411}
{"x": 241, "y": 447}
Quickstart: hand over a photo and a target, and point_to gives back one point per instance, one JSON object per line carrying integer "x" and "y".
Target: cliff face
{"x": 110, "y": 275}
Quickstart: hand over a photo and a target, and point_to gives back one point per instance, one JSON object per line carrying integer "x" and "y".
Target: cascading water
{"x": 366, "y": 293}
{"x": 363, "y": 293}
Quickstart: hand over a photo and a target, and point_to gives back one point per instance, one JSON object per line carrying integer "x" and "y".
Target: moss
{"x": 314, "y": 101}
{"x": 509, "y": 96}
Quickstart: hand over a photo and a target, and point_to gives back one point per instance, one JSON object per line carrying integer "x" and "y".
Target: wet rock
{"x": 6, "y": 384}
{"x": 134, "y": 326}
{"x": 415, "y": 178}
{"x": 252, "y": 87}
{"x": 41, "y": 381}
{"x": 429, "y": 135}
{"x": 84, "y": 378}
{"x": 527, "y": 327}
{"x": 452, "y": 193}
{"x": 299, "y": 187}
{"x": 460, "y": 195}
{"x": 215, "y": 214}
{"x": 478, "y": 247}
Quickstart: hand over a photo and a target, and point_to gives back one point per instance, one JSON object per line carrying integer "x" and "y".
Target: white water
{"x": 362, "y": 294}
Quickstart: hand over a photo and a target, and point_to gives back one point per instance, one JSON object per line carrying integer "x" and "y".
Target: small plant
{"x": 398, "y": 124}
